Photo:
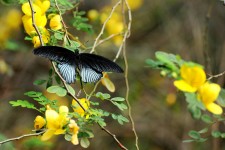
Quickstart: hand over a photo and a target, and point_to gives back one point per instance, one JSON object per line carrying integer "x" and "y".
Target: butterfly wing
{"x": 89, "y": 75}
{"x": 98, "y": 63}
{"x": 55, "y": 53}
{"x": 68, "y": 72}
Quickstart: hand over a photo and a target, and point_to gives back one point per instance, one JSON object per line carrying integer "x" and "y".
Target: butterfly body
{"x": 88, "y": 66}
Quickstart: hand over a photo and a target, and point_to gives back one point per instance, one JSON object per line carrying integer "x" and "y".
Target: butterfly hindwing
{"x": 89, "y": 75}
{"x": 68, "y": 72}
{"x": 98, "y": 63}
{"x": 55, "y": 53}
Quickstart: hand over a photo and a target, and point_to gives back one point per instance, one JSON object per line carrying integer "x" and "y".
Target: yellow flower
{"x": 55, "y": 122}
{"x": 208, "y": 93}
{"x": 135, "y": 4}
{"x": 55, "y": 22}
{"x": 27, "y": 11}
{"x": 192, "y": 78}
{"x": 74, "y": 130}
{"x": 43, "y": 5}
{"x": 93, "y": 14}
{"x": 107, "y": 82}
{"x": 39, "y": 122}
{"x": 40, "y": 21}
{"x": 78, "y": 109}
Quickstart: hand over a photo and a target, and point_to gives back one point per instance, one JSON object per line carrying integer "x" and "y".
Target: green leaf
{"x": 39, "y": 82}
{"x": 57, "y": 90}
{"x": 194, "y": 134}
{"x": 22, "y": 103}
{"x": 203, "y": 130}
{"x": 121, "y": 106}
{"x": 102, "y": 96}
{"x": 216, "y": 134}
{"x": 222, "y": 135}
{"x": 188, "y": 141}
{"x": 71, "y": 89}
{"x": 84, "y": 142}
{"x": 221, "y": 98}
{"x": 202, "y": 140}
{"x": 122, "y": 119}
{"x": 207, "y": 119}
{"x": 167, "y": 59}
{"x": 118, "y": 99}
{"x": 68, "y": 137}
{"x": 33, "y": 94}
{"x": 58, "y": 35}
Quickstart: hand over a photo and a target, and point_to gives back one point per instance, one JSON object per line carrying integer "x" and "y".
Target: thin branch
{"x": 33, "y": 22}
{"x": 216, "y": 76}
{"x": 104, "y": 24}
{"x": 114, "y": 136}
{"x": 127, "y": 31}
{"x": 126, "y": 35}
{"x": 20, "y": 137}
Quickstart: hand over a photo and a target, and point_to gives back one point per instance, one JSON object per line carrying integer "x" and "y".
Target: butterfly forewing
{"x": 55, "y": 53}
{"x": 98, "y": 63}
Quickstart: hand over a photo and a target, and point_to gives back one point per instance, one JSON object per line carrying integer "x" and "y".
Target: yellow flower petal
{"x": 47, "y": 135}
{"x": 44, "y": 5}
{"x": 108, "y": 83}
{"x": 59, "y": 131}
{"x": 184, "y": 86}
{"x": 93, "y": 14}
{"x": 74, "y": 140}
{"x": 39, "y": 122}
{"x": 52, "y": 119}
{"x": 209, "y": 92}
{"x": 55, "y": 22}
{"x": 195, "y": 76}
{"x": 135, "y": 4}
{"x": 214, "y": 108}
{"x": 76, "y": 107}
{"x": 36, "y": 41}
{"x": 27, "y": 11}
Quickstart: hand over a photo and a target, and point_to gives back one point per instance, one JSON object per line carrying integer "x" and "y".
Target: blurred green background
{"x": 193, "y": 29}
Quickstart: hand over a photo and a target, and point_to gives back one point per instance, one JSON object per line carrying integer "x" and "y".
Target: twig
{"x": 33, "y": 22}
{"x": 20, "y": 137}
{"x": 126, "y": 35}
{"x": 114, "y": 136}
{"x": 128, "y": 30}
{"x": 216, "y": 76}
{"x": 104, "y": 24}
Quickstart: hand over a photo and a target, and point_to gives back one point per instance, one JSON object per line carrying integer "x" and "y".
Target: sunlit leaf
{"x": 57, "y": 90}
{"x": 194, "y": 134}
{"x": 84, "y": 142}
{"x": 102, "y": 96}
{"x": 206, "y": 118}
{"x": 216, "y": 134}
{"x": 22, "y": 103}
{"x": 39, "y": 82}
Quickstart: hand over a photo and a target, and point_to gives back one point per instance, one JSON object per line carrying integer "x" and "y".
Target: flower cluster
{"x": 193, "y": 79}
{"x": 78, "y": 109}
{"x": 113, "y": 27}
{"x": 57, "y": 123}
{"x": 40, "y": 7}
{"x": 10, "y": 22}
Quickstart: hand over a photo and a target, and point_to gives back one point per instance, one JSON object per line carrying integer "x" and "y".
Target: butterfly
{"x": 88, "y": 66}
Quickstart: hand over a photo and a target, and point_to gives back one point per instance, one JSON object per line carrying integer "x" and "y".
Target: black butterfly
{"x": 88, "y": 66}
